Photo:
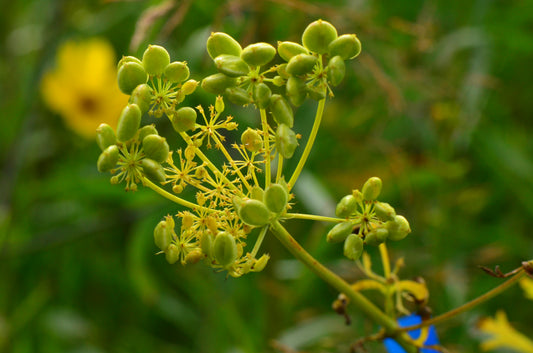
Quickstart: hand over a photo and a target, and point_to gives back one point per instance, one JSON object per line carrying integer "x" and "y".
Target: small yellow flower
{"x": 503, "y": 335}
{"x": 527, "y": 285}
{"x": 82, "y": 88}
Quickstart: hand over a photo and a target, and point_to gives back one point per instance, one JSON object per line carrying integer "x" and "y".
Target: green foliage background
{"x": 438, "y": 105}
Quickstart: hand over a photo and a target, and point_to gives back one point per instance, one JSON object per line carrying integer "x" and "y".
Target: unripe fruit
{"x": 278, "y": 81}
{"x": 399, "y": 228}
{"x": 147, "y": 130}
{"x": 301, "y": 64}
{"x": 105, "y": 136}
{"x": 339, "y": 232}
{"x": 108, "y": 159}
{"x": 142, "y": 96}
{"x": 177, "y": 71}
{"x": 346, "y": 46}
{"x": 261, "y": 95}
{"x": 275, "y": 198}
{"x": 128, "y": 59}
{"x": 286, "y": 141}
{"x": 296, "y": 90}
{"x": 260, "y": 264}
{"x": 318, "y": 35}
{"x": 353, "y": 247}
{"x": 163, "y": 235}
{"x": 376, "y": 236}
{"x": 232, "y": 66}
{"x": 189, "y": 87}
{"x": 251, "y": 140}
{"x": 130, "y": 75}
{"x": 316, "y": 93}
{"x": 172, "y": 254}
{"x": 194, "y": 256}
{"x": 206, "y": 244}
{"x": 254, "y": 213}
{"x": 153, "y": 170}
{"x": 238, "y": 96}
{"x": 257, "y": 193}
{"x": 336, "y": 70}
{"x": 281, "y": 110}
{"x": 289, "y": 49}
{"x": 282, "y": 71}
{"x": 258, "y": 54}
{"x": 220, "y": 43}
{"x": 155, "y": 60}
{"x": 371, "y": 189}
{"x": 128, "y": 122}
{"x": 218, "y": 83}
{"x": 384, "y": 211}
{"x": 346, "y": 206}
{"x": 156, "y": 147}
{"x": 225, "y": 249}
{"x": 184, "y": 119}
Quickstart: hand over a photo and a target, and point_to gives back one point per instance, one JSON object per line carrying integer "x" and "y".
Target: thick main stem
{"x": 358, "y": 300}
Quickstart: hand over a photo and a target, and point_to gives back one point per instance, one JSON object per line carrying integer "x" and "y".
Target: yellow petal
{"x": 418, "y": 290}
{"x": 369, "y": 284}
{"x": 527, "y": 285}
{"x": 503, "y": 335}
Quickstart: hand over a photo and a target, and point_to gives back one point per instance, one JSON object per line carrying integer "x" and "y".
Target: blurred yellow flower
{"x": 503, "y": 335}
{"x": 83, "y": 88}
{"x": 527, "y": 285}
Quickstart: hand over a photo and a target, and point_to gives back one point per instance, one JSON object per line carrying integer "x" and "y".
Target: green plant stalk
{"x": 357, "y": 299}
{"x": 309, "y": 145}
{"x": 232, "y": 162}
{"x": 471, "y": 304}
{"x": 266, "y": 138}
{"x": 313, "y": 217}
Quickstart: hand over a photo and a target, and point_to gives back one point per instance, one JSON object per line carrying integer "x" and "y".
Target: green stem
{"x": 309, "y": 145}
{"x": 280, "y": 167}
{"x": 356, "y": 298}
{"x": 314, "y": 217}
{"x": 471, "y": 304}
{"x": 266, "y": 139}
{"x": 259, "y": 241}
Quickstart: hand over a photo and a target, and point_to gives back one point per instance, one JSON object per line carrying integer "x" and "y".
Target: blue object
{"x": 432, "y": 339}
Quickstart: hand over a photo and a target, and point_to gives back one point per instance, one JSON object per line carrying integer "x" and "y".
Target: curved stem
{"x": 259, "y": 241}
{"x": 360, "y": 301}
{"x": 309, "y": 145}
{"x": 471, "y": 304}
{"x": 266, "y": 139}
{"x": 314, "y": 217}
{"x": 280, "y": 167}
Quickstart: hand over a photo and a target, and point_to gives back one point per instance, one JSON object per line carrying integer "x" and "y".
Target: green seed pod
{"x": 251, "y": 140}
{"x": 281, "y": 110}
{"x": 238, "y": 96}
{"x": 260, "y": 264}
{"x": 384, "y": 211}
{"x": 153, "y": 170}
{"x": 105, "y": 136}
{"x": 219, "y": 104}
{"x": 156, "y": 147}
{"x": 278, "y": 81}
{"x": 372, "y": 189}
{"x": 353, "y": 247}
{"x": 358, "y": 195}
{"x": 282, "y": 71}
{"x": 130, "y": 75}
{"x": 232, "y": 66}
{"x": 398, "y": 229}
{"x": 336, "y": 70}
{"x": 316, "y": 93}
{"x": 220, "y": 43}
{"x": 339, "y": 232}
{"x": 296, "y": 90}
{"x": 172, "y": 254}
{"x": 163, "y": 235}
{"x": 147, "y": 130}
{"x": 189, "y": 87}
{"x": 257, "y": 193}
{"x": 128, "y": 59}
{"x": 177, "y": 71}
{"x": 376, "y": 236}
{"x": 206, "y": 244}
{"x": 254, "y": 213}
{"x": 194, "y": 256}
{"x": 301, "y": 64}
{"x": 225, "y": 249}
{"x": 261, "y": 95}
{"x": 184, "y": 119}
{"x": 237, "y": 202}
{"x": 346, "y": 46}
{"x": 346, "y": 206}
{"x": 155, "y": 60}
{"x": 108, "y": 159}
{"x": 128, "y": 122}
{"x": 258, "y": 54}
{"x": 217, "y": 83}
{"x": 142, "y": 96}
{"x": 289, "y": 49}
{"x": 318, "y": 35}
{"x": 275, "y": 198}
{"x": 286, "y": 141}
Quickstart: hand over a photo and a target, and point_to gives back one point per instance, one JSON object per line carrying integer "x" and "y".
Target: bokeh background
{"x": 438, "y": 105}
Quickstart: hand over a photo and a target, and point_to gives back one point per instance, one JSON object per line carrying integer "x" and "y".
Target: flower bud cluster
{"x": 368, "y": 221}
